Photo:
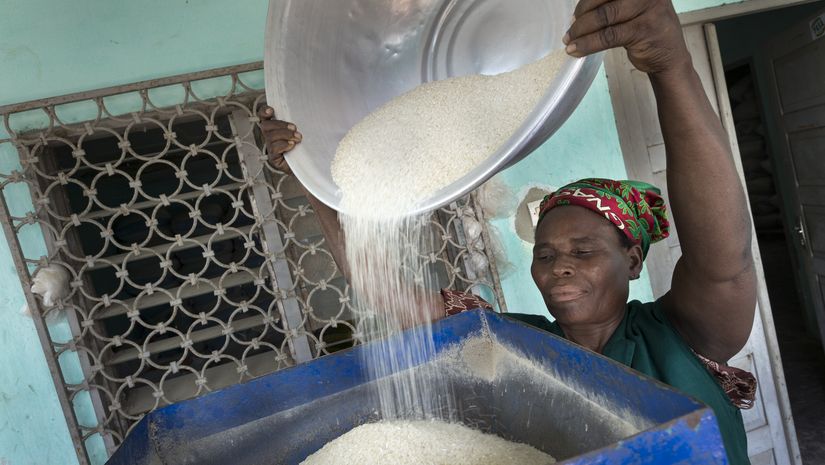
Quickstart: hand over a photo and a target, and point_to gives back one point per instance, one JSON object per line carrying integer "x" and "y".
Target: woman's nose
{"x": 562, "y": 268}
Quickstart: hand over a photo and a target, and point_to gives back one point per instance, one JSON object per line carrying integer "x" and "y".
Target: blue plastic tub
{"x": 577, "y": 406}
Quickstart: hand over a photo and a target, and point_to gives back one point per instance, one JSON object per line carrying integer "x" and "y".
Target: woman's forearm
{"x": 331, "y": 229}
{"x": 706, "y": 195}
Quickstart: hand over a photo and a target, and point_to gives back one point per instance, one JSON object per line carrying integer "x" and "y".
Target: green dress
{"x": 646, "y": 342}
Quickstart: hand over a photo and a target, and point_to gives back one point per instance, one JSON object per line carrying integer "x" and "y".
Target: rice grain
{"x": 424, "y": 442}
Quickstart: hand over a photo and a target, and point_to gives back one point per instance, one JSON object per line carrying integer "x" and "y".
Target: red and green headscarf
{"x": 636, "y": 208}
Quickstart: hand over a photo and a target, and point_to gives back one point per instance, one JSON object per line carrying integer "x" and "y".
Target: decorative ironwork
{"x": 190, "y": 263}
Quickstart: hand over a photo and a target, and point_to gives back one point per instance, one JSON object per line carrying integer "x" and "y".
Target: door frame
{"x": 732, "y": 10}
{"x": 763, "y": 299}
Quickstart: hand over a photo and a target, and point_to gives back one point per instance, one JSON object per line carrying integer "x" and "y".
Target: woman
{"x": 593, "y": 235}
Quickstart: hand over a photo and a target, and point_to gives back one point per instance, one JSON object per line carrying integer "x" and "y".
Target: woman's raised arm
{"x": 713, "y": 292}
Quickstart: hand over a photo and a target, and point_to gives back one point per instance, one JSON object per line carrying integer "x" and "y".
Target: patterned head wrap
{"x": 636, "y": 208}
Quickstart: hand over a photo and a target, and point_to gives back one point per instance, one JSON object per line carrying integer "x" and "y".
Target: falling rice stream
{"x": 391, "y": 161}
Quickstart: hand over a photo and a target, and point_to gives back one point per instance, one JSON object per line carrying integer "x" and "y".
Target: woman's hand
{"x": 648, "y": 29}
{"x": 280, "y": 137}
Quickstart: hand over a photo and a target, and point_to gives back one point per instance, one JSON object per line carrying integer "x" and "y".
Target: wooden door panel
{"x": 809, "y": 118}
{"x": 764, "y": 458}
{"x": 813, "y": 195}
{"x": 815, "y": 223}
{"x": 799, "y": 77}
{"x": 759, "y": 443}
{"x": 658, "y": 157}
{"x": 808, "y": 157}
{"x": 819, "y": 273}
{"x": 647, "y": 108}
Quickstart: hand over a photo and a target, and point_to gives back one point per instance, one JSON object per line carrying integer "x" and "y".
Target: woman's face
{"x": 581, "y": 266}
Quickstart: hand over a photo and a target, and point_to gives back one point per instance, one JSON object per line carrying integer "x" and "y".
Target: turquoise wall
{"x": 52, "y": 47}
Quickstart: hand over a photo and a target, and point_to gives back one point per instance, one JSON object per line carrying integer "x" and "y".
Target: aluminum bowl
{"x": 329, "y": 63}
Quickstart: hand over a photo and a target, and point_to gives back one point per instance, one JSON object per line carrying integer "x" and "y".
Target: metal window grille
{"x": 192, "y": 263}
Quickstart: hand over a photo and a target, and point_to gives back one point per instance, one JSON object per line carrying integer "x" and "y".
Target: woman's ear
{"x": 635, "y": 261}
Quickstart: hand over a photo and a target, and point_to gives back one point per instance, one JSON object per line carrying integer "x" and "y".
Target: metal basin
{"x": 575, "y": 405}
{"x": 329, "y": 63}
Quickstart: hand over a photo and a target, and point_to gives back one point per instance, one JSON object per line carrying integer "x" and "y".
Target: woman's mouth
{"x": 566, "y": 293}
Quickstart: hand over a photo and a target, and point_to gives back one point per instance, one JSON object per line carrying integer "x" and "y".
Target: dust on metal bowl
{"x": 329, "y": 63}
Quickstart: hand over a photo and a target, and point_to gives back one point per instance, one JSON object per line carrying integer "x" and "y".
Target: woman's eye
{"x": 581, "y": 252}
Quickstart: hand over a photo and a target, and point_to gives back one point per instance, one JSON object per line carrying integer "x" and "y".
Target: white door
{"x": 771, "y": 436}
{"x": 796, "y": 93}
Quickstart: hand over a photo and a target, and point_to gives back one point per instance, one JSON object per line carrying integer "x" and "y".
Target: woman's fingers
{"x": 266, "y": 115}
{"x": 604, "y": 15}
{"x": 587, "y": 5}
{"x": 271, "y": 125}
{"x": 278, "y": 134}
{"x": 648, "y": 29}
{"x": 280, "y": 137}
{"x": 266, "y": 112}
{"x": 283, "y": 141}
{"x": 602, "y": 39}
{"x": 279, "y": 147}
